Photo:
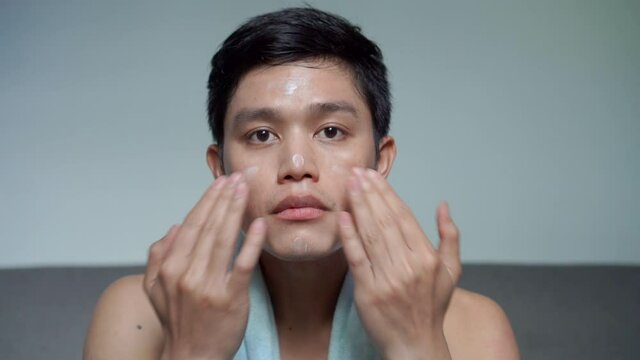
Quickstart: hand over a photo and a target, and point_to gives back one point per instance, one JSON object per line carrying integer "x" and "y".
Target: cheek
{"x": 340, "y": 164}
{"x": 251, "y": 172}
{"x": 341, "y": 160}
{"x": 340, "y": 170}
{"x": 257, "y": 199}
{"x": 337, "y": 175}
{"x": 254, "y": 175}
{"x": 250, "y": 168}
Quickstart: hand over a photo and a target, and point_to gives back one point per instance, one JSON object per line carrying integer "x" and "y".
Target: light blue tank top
{"x": 348, "y": 339}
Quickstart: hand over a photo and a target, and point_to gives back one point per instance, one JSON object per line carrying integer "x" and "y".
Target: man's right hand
{"x": 201, "y": 301}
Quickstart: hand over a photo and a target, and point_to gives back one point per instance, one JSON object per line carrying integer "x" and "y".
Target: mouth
{"x": 300, "y": 208}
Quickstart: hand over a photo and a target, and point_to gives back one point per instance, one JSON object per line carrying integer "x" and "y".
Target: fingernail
{"x": 259, "y": 225}
{"x": 364, "y": 181}
{"x": 220, "y": 181}
{"x": 361, "y": 176}
{"x": 372, "y": 173}
{"x": 444, "y": 212}
{"x": 235, "y": 177}
{"x": 343, "y": 219}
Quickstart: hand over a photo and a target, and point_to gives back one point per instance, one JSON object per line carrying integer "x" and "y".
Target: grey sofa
{"x": 557, "y": 312}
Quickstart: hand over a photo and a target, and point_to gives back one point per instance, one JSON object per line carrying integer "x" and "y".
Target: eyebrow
{"x": 324, "y": 108}
{"x": 251, "y": 114}
{"x": 316, "y": 109}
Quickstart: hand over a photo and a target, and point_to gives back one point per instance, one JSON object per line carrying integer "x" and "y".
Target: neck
{"x": 304, "y": 293}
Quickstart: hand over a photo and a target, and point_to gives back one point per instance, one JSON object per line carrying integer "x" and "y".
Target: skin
{"x": 192, "y": 307}
{"x": 297, "y": 130}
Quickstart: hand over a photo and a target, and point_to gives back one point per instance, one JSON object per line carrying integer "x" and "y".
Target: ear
{"x": 214, "y": 159}
{"x": 387, "y": 150}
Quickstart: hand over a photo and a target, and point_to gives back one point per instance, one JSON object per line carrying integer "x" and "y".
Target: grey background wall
{"x": 525, "y": 115}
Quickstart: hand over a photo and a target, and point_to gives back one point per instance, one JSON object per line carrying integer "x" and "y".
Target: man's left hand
{"x": 403, "y": 285}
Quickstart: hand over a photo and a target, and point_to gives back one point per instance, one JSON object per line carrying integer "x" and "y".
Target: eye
{"x": 262, "y": 136}
{"x": 331, "y": 132}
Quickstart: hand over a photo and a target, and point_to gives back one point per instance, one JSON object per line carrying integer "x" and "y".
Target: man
{"x": 299, "y": 108}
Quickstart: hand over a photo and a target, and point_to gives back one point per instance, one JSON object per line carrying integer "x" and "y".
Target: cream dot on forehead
{"x": 290, "y": 87}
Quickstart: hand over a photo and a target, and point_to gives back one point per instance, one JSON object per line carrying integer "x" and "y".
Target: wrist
{"x": 169, "y": 354}
{"x": 431, "y": 348}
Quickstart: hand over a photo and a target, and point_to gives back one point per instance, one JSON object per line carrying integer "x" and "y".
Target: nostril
{"x": 294, "y": 178}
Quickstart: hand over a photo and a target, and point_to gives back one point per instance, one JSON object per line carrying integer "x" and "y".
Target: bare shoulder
{"x": 476, "y": 327}
{"x": 124, "y": 324}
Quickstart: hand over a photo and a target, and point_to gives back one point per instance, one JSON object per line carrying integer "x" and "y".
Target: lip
{"x": 300, "y": 208}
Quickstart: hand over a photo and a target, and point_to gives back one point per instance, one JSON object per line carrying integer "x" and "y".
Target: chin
{"x": 303, "y": 240}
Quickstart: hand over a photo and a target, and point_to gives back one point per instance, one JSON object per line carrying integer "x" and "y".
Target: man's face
{"x": 296, "y": 130}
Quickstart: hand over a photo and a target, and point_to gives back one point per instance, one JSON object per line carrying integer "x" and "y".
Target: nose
{"x": 297, "y": 163}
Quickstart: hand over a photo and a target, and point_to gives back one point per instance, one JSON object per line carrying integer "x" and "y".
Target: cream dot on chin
{"x": 300, "y": 246}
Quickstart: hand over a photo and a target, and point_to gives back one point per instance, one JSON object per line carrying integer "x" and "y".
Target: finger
{"x": 206, "y": 250}
{"x": 200, "y": 212}
{"x": 354, "y": 251}
{"x": 248, "y": 256}
{"x": 225, "y": 244}
{"x": 193, "y": 223}
{"x": 385, "y": 219}
{"x": 410, "y": 228}
{"x": 449, "y": 247}
{"x": 366, "y": 227}
{"x": 157, "y": 254}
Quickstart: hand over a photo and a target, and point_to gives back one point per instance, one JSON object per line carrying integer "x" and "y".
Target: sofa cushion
{"x": 557, "y": 312}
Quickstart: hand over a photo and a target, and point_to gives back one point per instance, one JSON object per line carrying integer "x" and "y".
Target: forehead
{"x": 294, "y": 86}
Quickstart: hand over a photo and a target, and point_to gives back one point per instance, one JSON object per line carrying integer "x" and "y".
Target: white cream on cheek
{"x": 251, "y": 171}
{"x": 250, "y": 175}
{"x": 339, "y": 169}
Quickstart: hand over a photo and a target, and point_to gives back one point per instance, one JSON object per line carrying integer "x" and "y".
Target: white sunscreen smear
{"x": 250, "y": 171}
{"x": 298, "y": 160}
{"x": 339, "y": 169}
{"x": 300, "y": 246}
{"x": 290, "y": 88}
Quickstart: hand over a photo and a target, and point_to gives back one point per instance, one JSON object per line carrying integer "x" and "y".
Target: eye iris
{"x": 262, "y": 135}
{"x": 330, "y": 132}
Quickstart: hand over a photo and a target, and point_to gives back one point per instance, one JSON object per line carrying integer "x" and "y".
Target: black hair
{"x": 296, "y": 34}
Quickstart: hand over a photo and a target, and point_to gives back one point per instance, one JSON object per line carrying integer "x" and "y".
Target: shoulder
{"x": 124, "y": 324}
{"x": 476, "y": 327}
